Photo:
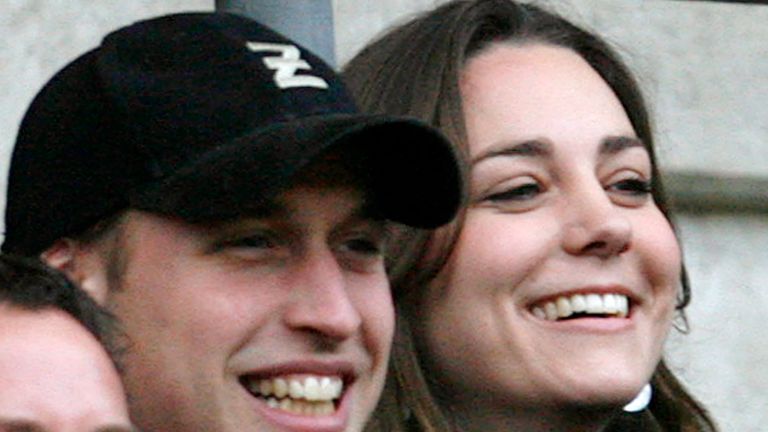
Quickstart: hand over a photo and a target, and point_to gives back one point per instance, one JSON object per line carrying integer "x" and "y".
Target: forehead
{"x": 46, "y": 358}
{"x": 45, "y": 344}
{"x": 333, "y": 176}
{"x": 311, "y": 208}
{"x": 332, "y": 186}
{"x": 536, "y": 91}
{"x": 37, "y": 327}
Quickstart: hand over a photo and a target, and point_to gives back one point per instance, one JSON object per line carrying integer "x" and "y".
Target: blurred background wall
{"x": 704, "y": 68}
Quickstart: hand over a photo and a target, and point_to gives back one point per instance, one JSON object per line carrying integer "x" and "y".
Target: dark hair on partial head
{"x": 415, "y": 69}
{"x": 29, "y": 284}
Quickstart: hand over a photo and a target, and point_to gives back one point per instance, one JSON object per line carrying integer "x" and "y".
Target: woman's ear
{"x": 81, "y": 264}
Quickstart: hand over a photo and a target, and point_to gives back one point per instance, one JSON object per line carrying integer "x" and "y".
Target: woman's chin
{"x": 601, "y": 397}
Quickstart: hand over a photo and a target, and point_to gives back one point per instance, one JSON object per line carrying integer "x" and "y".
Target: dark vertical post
{"x": 308, "y": 22}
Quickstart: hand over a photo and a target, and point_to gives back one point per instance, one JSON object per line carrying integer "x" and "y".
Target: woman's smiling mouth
{"x": 592, "y": 305}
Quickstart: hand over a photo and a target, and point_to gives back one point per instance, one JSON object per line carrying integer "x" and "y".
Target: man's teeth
{"x": 585, "y": 304}
{"x": 312, "y": 395}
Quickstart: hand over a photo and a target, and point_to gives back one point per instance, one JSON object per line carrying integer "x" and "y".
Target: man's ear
{"x": 61, "y": 256}
{"x": 81, "y": 263}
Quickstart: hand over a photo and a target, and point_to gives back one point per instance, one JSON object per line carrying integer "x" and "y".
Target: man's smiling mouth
{"x": 612, "y": 305}
{"x": 309, "y": 395}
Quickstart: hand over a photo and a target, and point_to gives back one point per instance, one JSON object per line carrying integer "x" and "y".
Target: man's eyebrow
{"x": 266, "y": 210}
{"x": 367, "y": 210}
{"x": 528, "y": 148}
{"x": 19, "y": 425}
{"x": 615, "y": 144}
{"x": 116, "y": 428}
{"x": 24, "y": 425}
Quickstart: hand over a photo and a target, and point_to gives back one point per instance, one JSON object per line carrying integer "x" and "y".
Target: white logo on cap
{"x": 286, "y": 64}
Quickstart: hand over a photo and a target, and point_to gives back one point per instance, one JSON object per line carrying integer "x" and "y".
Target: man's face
{"x": 281, "y": 322}
{"x": 55, "y": 376}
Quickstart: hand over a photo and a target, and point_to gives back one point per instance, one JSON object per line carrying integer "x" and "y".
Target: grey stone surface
{"x": 705, "y": 69}
{"x": 358, "y": 21}
{"x": 724, "y": 358}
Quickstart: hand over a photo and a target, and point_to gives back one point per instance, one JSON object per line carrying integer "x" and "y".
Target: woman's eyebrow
{"x": 540, "y": 148}
{"x": 615, "y": 144}
{"x": 528, "y": 148}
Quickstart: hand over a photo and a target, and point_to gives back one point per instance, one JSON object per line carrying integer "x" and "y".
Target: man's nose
{"x": 321, "y": 303}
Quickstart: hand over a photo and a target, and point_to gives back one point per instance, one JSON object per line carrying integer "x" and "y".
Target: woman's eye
{"x": 518, "y": 193}
{"x": 631, "y": 191}
{"x": 632, "y": 186}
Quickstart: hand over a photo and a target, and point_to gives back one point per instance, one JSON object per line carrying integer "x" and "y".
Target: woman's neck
{"x": 532, "y": 419}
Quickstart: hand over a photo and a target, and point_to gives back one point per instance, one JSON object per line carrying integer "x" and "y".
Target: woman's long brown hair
{"x": 414, "y": 70}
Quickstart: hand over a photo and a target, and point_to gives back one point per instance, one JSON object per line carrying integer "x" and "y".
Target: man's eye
{"x": 253, "y": 241}
{"x": 364, "y": 242}
{"x": 518, "y": 193}
{"x": 249, "y": 246}
{"x": 362, "y": 252}
{"x": 364, "y": 246}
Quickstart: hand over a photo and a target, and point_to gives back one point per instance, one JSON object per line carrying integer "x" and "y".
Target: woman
{"x": 546, "y": 305}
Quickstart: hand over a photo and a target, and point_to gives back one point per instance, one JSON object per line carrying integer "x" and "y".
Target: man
{"x": 55, "y": 374}
{"x": 214, "y": 185}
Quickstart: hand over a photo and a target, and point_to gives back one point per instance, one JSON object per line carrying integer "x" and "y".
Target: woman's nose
{"x": 595, "y": 225}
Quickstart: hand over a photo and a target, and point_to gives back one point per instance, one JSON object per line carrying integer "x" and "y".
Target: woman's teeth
{"x": 309, "y": 395}
{"x": 612, "y": 305}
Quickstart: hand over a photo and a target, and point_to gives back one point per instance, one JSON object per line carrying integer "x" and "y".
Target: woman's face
{"x": 561, "y": 288}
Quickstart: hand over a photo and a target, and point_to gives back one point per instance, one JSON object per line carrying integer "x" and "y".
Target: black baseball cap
{"x": 200, "y": 116}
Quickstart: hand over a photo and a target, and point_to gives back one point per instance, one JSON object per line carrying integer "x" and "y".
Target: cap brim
{"x": 412, "y": 170}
